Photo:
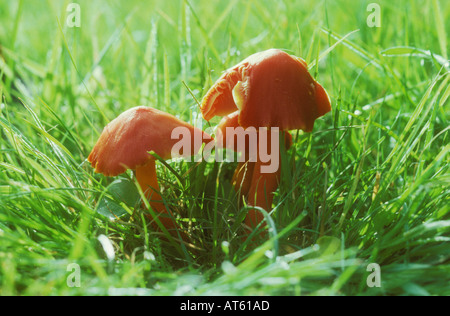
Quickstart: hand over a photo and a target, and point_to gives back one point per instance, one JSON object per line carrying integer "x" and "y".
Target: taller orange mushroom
{"x": 126, "y": 143}
{"x": 268, "y": 89}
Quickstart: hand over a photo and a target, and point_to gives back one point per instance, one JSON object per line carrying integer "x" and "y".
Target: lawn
{"x": 363, "y": 203}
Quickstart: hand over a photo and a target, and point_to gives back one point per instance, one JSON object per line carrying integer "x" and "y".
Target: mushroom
{"x": 126, "y": 141}
{"x": 267, "y": 89}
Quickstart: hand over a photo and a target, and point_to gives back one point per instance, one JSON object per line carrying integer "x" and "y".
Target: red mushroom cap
{"x": 126, "y": 141}
{"x": 270, "y": 89}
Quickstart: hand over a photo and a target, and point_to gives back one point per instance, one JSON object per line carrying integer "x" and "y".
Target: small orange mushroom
{"x": 126, "y": 141}
{"x": 267, "y": 89}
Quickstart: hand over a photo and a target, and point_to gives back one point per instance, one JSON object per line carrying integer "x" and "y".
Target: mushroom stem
{"x": 260, "y": 193}
{"x": 263, "y": 185}
{"x": 242, "y": 177}
{"x": 148, "y": 181}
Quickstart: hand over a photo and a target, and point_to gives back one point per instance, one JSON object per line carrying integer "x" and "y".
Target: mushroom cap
{"x": 270, "y": 89}
{"x": 126, "y": 141}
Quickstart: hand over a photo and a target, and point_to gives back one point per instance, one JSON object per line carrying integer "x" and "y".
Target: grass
{"x": 370, "y": 184}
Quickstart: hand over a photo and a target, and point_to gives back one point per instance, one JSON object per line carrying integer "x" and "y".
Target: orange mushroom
{"x": 126, "y": 141}
{"x": 268, "y": 89}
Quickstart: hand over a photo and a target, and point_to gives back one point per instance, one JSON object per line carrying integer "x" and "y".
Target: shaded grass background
{"x": 369, "y": 184}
